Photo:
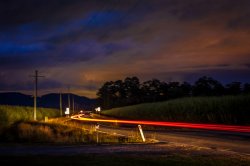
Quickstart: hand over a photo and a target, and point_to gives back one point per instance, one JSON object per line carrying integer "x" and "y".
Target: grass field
{"x": 12, "y": 114}
{"x": 223, "y": 110}
{"x": 17, "y": 125}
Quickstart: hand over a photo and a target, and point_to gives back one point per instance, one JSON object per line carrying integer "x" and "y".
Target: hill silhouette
{"x": 51, "y": 100}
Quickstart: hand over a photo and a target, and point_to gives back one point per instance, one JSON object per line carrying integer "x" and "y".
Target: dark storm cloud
{"x": 27, "y": 59}
{"x": 14, "y": 48}
{"x": 241, "y": 21}
{"x": 224, "y": 75}
{"x": 35, "y": 33}
{"x": 87, "y": 42}
{"x": 198, "y": 9}
{"x": 95, "y": 26}
{"x": 15, "y": 12}
{"x": 49, "y": 84}
{"x": 247, "y": 65}
{"x": 209, "y": 66}
{"x": 44, "y": 84}
{"x": 5, "y": 86}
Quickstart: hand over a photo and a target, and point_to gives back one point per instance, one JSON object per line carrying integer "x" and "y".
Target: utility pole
{"x": 69, "y": 97}
{"x": 60, "y": 104}
{"x": 73, "y": 105}
{"x": 35, "y": 91}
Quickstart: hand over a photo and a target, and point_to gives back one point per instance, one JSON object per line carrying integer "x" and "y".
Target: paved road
{"x": 170, "y": 141}
{"x": 217, "y": 140}
{"x": 210, "y": 139}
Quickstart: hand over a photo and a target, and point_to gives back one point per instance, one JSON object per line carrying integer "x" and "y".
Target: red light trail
{"x": 232, "y": 128}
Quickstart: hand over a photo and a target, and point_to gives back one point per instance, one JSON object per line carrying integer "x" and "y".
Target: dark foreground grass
{"x": 124, "y": 160}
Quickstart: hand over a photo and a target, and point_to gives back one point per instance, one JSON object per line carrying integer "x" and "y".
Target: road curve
{"x": 225, "y": 141}
{"x": 236, "y": 140}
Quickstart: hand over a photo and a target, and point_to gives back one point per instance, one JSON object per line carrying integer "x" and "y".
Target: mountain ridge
{"x": 50, "y": 100}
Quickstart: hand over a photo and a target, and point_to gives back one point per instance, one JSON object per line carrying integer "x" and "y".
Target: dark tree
{"x": 163, "y": 91}
{"x": 207, "y": 86}
{"x": 119, "y": 93}
{"x": 233, "y": 88}
{"x": 186, "y": 89}
{"x": 152, "y": 90}
{"x": 132, "y": 90}
{"x": 174, "y": 90}
{"x": 246, "y": 89}
{"x": 106, "y": 95}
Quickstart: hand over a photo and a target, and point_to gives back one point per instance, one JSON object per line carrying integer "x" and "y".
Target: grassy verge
{"x": 12, "y": 114}
{"x": 224, "y": 110}
{"x": 124, "y": 160}
{"x": 57, "y": 133}
{"x": 17, "y": 126}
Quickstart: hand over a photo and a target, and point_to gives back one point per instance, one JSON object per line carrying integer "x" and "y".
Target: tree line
{"x": 130, "y": 91}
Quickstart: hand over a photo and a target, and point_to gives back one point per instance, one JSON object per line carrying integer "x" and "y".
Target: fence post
{"x": 141, "y": 132}
{"x": 97, "y": 136}
{"x": 45, "y": 119}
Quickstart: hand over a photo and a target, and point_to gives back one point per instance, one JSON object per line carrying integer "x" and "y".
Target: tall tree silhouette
{"x": 132, "y": 90}
{"x": 186, "y": 89}
{"x": 106, "y": 95}
{"x": 152, "y": 90}
{"x": 233, "y": 88}
{"x": 246, "y": 89}
{"x": 207, "y": 86}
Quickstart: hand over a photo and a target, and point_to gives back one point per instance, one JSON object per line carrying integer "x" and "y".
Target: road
{"x": 230, "y": 141}
{"x": 167, "y": 141}
{"x": 216, "y": 140}
{"x": 187, "y": 142}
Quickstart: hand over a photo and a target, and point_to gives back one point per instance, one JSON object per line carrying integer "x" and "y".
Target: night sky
{"x": 84, "y": 43}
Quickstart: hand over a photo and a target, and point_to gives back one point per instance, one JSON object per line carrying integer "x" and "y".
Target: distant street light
{"x": 98, "y": 109}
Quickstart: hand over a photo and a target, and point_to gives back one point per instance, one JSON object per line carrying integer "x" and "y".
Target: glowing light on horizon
{"x": 220, "y": 127}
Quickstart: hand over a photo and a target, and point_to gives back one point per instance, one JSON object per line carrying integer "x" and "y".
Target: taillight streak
{"x": 220, "y": 127}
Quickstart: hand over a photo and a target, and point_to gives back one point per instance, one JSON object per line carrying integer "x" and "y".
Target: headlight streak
{"x": 220, "y": 127}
